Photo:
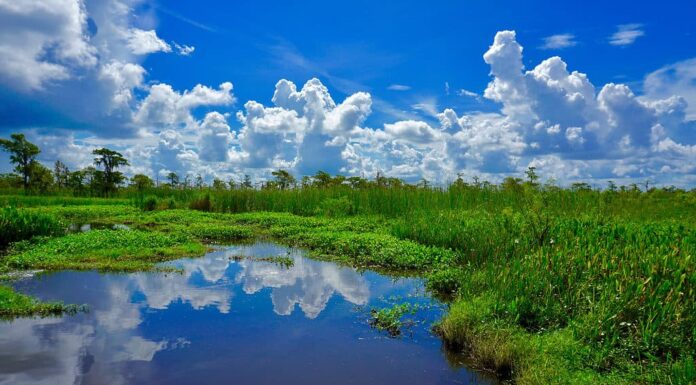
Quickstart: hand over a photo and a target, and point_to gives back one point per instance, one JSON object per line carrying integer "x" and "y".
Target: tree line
{"x": 103, "y": 178}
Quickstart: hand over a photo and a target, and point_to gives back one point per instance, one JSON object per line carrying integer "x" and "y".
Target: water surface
{"x": 227, "y": 320}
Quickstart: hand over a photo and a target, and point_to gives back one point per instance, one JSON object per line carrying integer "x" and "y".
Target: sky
{"x": 593, "y": 91}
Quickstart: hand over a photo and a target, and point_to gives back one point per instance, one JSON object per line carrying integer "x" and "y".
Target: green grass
{"x": 546, "y": 287}
{"x": 105, "y": 250}
{"x": 17, "y": 225}
{"x": 13, "y": 304}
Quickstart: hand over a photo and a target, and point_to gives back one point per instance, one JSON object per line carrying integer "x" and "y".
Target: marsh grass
{"x": 19, "y": 224}
{"x": 546, "y": 287}
{"x": 13, "y": 304}
{"x": 104, "y": 250}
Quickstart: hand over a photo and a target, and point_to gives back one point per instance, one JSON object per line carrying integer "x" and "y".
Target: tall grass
{"x": 18, "y": 224}
{"x": 622, "y": 286}
{"x": 398, "y": 201}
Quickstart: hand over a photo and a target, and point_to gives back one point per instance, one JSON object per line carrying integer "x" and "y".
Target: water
{"x": 227, "y": 320}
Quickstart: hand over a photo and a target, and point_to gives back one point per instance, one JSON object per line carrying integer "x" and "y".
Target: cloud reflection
{"x": 94, "y": 347}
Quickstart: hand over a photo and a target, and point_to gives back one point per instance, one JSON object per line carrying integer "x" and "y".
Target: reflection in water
{"x": 215, "y": 320}
{"x": 307, "y": 282}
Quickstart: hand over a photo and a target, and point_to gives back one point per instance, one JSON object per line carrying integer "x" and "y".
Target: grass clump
{"x": 20, "y": 224}
{"x": 390, "y": 319}
{"x": 106, "y": 250}
{"x": 13, "y": 304}
{"x": 219, "y": 232}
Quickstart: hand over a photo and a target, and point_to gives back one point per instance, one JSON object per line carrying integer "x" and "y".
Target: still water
{"x": 227, "y": 320}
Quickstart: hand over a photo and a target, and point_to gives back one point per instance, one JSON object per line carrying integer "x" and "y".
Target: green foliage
{"x": 107, "y": 250}
{"x": 336, "y": 207}
{"x": 201, "y": 204}
{"x": 390, "y": 319}
{"x": 22, "y": 154}
{"x": 21, "y": 224}
{"x": 13, "y": 304}
{"x": 548, "y": 286}
{"x": 149, "y": 203}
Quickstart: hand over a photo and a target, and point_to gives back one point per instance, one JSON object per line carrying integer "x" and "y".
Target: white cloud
{"x": 183, "y": 49}
{"x": 626, "y": 34}
{"x": 43, "y": 41}
{"x": 215, "y": 138}
{"x": 143, "y": 42}
{"x": 398, "y": 87}
{"x": 165, "y": 107}
{"x": 467, "y": 93}
{"x": 559, "y": 41}
{"x": 678, "y": 79}
{"x": 411, "y": 131}
{"x": 549, "y": 114}
{"x": 427, "y": 105}
{"x": 125, "y": 77}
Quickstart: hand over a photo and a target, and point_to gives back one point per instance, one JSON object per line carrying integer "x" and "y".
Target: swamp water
{"x": 232, "y": 317}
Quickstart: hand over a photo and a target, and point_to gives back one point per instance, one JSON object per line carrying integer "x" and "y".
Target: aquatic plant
{"x": 106, "y": 250}
{"x": 390, "y": 319}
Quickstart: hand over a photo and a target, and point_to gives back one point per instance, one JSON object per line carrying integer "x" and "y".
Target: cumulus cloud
{"x": 166, "y": 107}
{"x": 43, "y": 41}
{"x": 143, "y": 42}
{"x": 215, "y": 138}
{"x": 626, "y": 34}
{"x": 549, "y": 115}
{"x": 676, "y": 80}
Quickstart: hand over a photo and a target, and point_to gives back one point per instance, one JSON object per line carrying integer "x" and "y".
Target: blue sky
{"x": 403, "y": 87}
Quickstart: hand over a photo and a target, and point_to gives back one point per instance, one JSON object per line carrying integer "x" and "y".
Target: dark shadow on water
{"x": 233, "y": 316}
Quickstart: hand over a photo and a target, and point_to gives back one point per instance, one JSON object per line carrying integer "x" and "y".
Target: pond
{"x": 232, "y": 316}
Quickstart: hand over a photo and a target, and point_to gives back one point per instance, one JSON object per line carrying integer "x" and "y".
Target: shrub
{"x": 149, "y": 203}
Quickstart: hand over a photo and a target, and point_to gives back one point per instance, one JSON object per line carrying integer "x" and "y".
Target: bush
{"x": 149, "y": 203}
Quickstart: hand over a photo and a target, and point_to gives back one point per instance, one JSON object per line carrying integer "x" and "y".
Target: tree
{"x": 580, "y": 186}
{"x": 23, "y": 154}
{"x": 357, "y": 182}
{"x": 199, "y": 181}
{"x": 76, "y": 182}
{"x": 322, "y": 179}
{"x": 459, "y": 183}
{"x": 40, "y": 178}
{"x": 110, "y": 160}
{"x": 512, "y": 184}
{"x": 219, "y": 184}
{"x": 173, "y": 179}
{"x": 61, "y": 173}
{"x": 10, "y": 181}
{"x": 532, "y": 176}
{"x": 141, "y": 182}
{"x": 283, "y": 179}
{"x": 247, "y": 184}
